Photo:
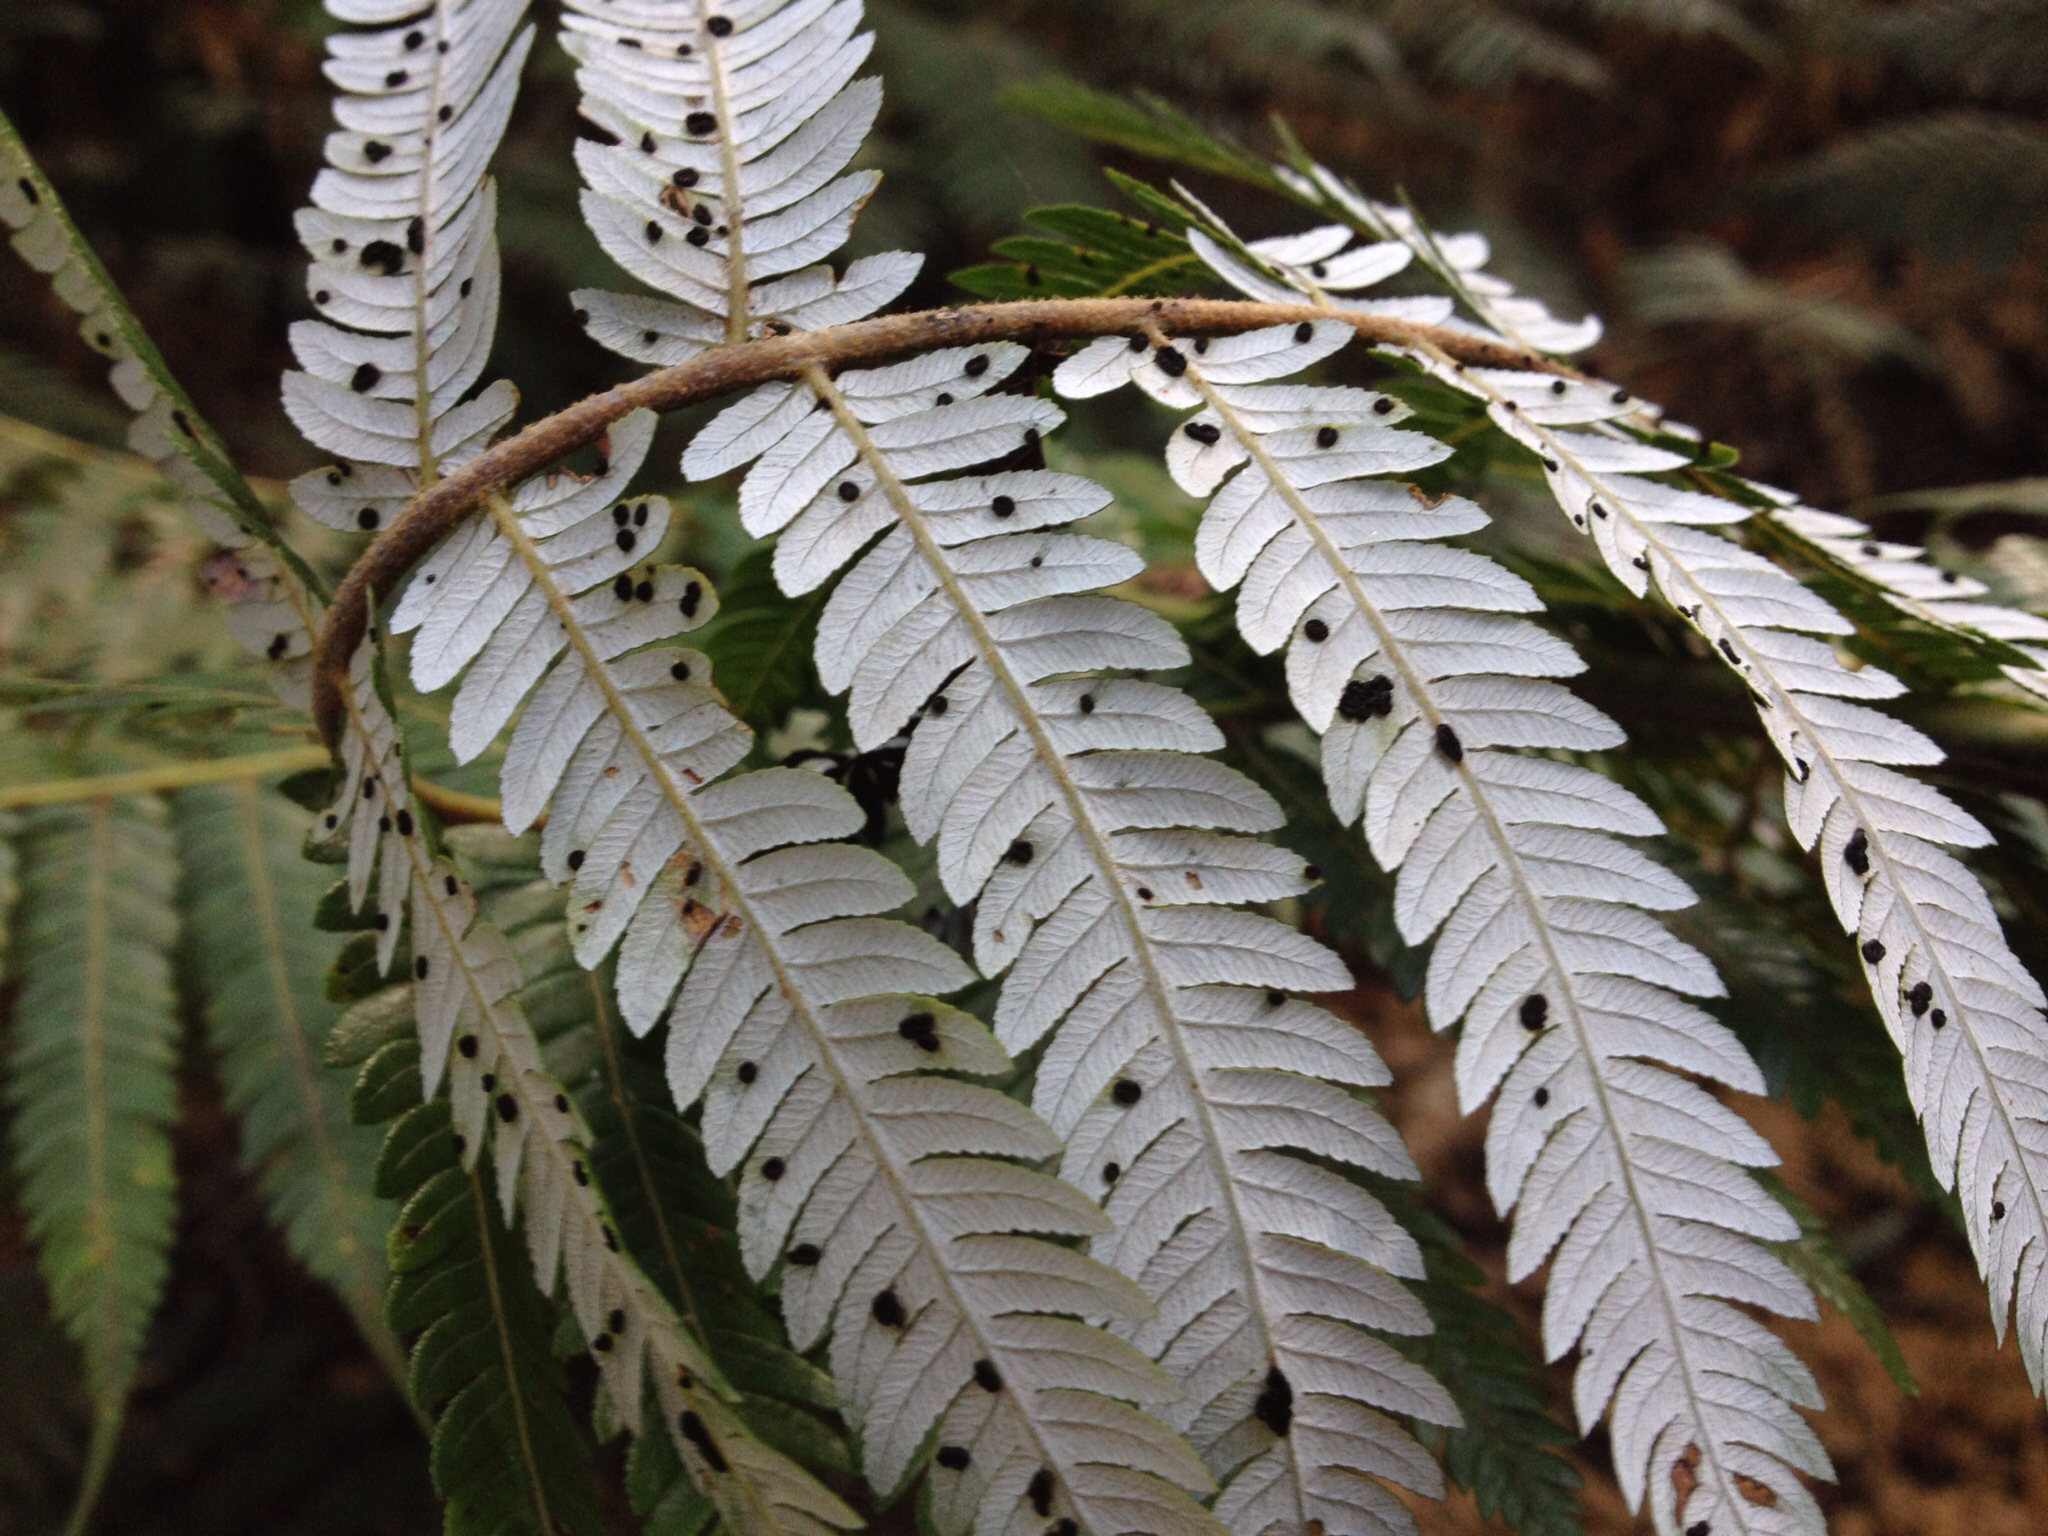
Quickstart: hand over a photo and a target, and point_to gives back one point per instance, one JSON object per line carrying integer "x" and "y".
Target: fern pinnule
{"x": 731, "y": 124}
{"x": 892, "y": 1200}
{"x": 403, "y": 240}
{"x": 471, "y": 1028}
{"x": 1964, "y": 1012}
{"x": 1106, "y": 860}
{"x": 1411, "y": 660}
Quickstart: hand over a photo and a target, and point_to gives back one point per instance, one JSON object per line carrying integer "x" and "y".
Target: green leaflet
{"x": 508, "y": 1453}
{"x": 1147, "y": 125}
{"x": 92, "y": 1084}
{"x": 760, "y": 643}
{"x": 248, "y": 897}
{"x": 47, "y": 240}
{"x": 1094, "y": 252}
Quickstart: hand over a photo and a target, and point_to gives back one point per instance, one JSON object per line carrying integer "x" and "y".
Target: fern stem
{"x": 725, "y": 369}
{"x": 138, "y": 781}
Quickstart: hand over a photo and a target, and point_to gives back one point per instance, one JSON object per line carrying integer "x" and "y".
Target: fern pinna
{"x": 1121, "y": 1253}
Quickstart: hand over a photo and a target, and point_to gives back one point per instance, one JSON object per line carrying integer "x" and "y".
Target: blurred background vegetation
{"x": 1817, "y": 230}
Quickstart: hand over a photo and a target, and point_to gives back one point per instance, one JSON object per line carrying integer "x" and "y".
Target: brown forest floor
{"x": 1967, "y": 1457}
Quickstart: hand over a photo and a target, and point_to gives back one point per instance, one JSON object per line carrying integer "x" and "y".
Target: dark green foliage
{"x": 248, "y": 898}
{"x": 509, "y": 1455}
{"x": 1086, "y": 251}
{"x": 760, "y": 643}
{"x": 1814, "y": 1257}
{"x": 91, "y": 1085}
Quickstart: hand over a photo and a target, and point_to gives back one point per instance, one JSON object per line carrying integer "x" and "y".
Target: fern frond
{"x": 91, "y": 1084}
{"x": 1410, "y": 658}
{"x": 274, "y": 607}
{"x": 803, "y": 1020}
{"x": 248, "y": 896}
{"x": 1098, "y": 849}
{"x": 471, "y": 1027}
{"x": 1961, "y": 1008}
{"x": 731, "y": 125}
{"x": 403, "y": 240}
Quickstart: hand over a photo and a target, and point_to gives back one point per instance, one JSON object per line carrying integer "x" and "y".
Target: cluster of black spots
{"x": 1872, "y": 950}
{"x": 1204, "y": 432}
{"x": 1316, "y": 631}
{"x": 1856, "y": 852}
{"x": 887, "y": 1309}
{"x": 1127, "y": 1091}
{"x": 693, "y": 596}
{"x": 1535, "y": 1011}
{"x": 1919, "y": 997}
{"x": 508, "y": 1108}
{"x": 1367, "y": 699}
{"x": 1170, "y": 362}
{"x": 365, "y": 378}
{"x": 1274, "y": 1407}
{"x": 693, "y": 1430}
{"x": 748, "y": 1072}
{"x": 921, "y": 1030}
{"x": 804, "y": 1255}
{"x": 987, "y": 1377}
{"x": 1039, "y": 1491}
{"x": 1326, "y": 437}
{"x": 383, "y": 255}
{"x": 1019, "y": 852}
{"x": 954, "y": 1458}
{"x": 1447, "y": 743}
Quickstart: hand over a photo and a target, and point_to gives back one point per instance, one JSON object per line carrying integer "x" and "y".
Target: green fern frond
{"x": 1816, "y": 1259}
{"x": 1993, "y": 50}
{"x": 1089, "y": 251}
{"x": 248, "y": 898}
{"x": 91, "y": 1084}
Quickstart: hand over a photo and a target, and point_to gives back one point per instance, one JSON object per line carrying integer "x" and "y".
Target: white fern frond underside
{"x": 732, "y": 123}
{"x": 1411, "y": 659}
{"x": 268, "y": 609}
{"x": 464, "y": 976}
{"x": 1458, "y": 260}
{"x": 1917, "y": 586}
{"x": 1105, "y": 859}
{"x": 1962, "y": 1009}
{"x": 402, "y": 232}
{"x": 804, "y": 1021}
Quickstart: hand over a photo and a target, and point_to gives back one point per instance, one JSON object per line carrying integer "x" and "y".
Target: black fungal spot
{"x": 467, "y": 284}
{"x": 1018, "y": 852}
{"x": 653, "y": 232}
{"x": 943, "y": 399}
{"x": 602, "y": 1343}
{"x": 1203, "y": 432}
{"x": 953, "y": 1458}
{"x": 1274, "y": 1407}
{"x": 719, "y": 26}
{"x": 748, "y": 1071}
{"x": 1087, "y": 703}
{"x": 1873, "y": 950}
{"x": 622, "y": 588}
{"x": 976, "y": 365}
{"x": 405, "y": 823}
{"x": 365, "y": 378}
{"x": 1127, "y": 1091}
{"x": 449, "y": 884}
{"x": 508, "y": 1108}
{"x": 444, "y": 113}
{"x": 773, "y": 1169}
{"x": 1919, "y": 998}
{"x": 1170, "y": 362}
{"x": 987, "y": 1377}
{"x": 804, "y": 1255}
{"x": 625, "y": 540}
{"x": 279, "y": 644}
{"x": 1363, "y": 700}
{"x": 698, "y": 236}
{"x": 887, "y": 1309}
{"x": 1304, "y": 331}
{"x": 579, "y": 1172}
{"x": 1111, "y": 1172}
{"x": 416, "y": 235}
{"x": 1535, "y": 1011}
{"x": 562, "y": 1105}
{"x": 1998, "y": 1210}
{"x": 1316, "y": 630}
{"x": 686, "y": 177}
{"x": 413, "y": 39}
{"x": 367, "y": 519}
{"x": 376, "y": 153}
{"x": 467, "y": 1045}
{"x": 848, "y": 491}
{"x": 1383, "y": 406}
{"x": 680, "y": 671}
{"x": 938, "y": 704}
{"x": 1275, "y": 997}
{"x": 1447, "y": 743}
{"x": 1144, "y": 893}
{"x": 617, "y": 1321}
{"x": 460, "y": 1142}
{"x": 1039, "y": 1491}
{"x": 701, "y": 124}
{"x": 419, "y": 967}
{"x": 1542, "y": 1097}
{"x": 576, "y": 858}
{"x": 1326, "y": 437}
{"x": 1856, "y": 852}
{"x": 1557, "y": 386}
{"x": 646, "y": 143}
{"x": 1938, "y": 1019}
{"x": 693, "y": 594}
{"x": 1699, "y": 1528}
{"x": 1003, "y": 506}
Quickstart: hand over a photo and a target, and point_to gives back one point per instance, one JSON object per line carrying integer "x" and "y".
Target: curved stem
{"x": 724, "y": 369}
